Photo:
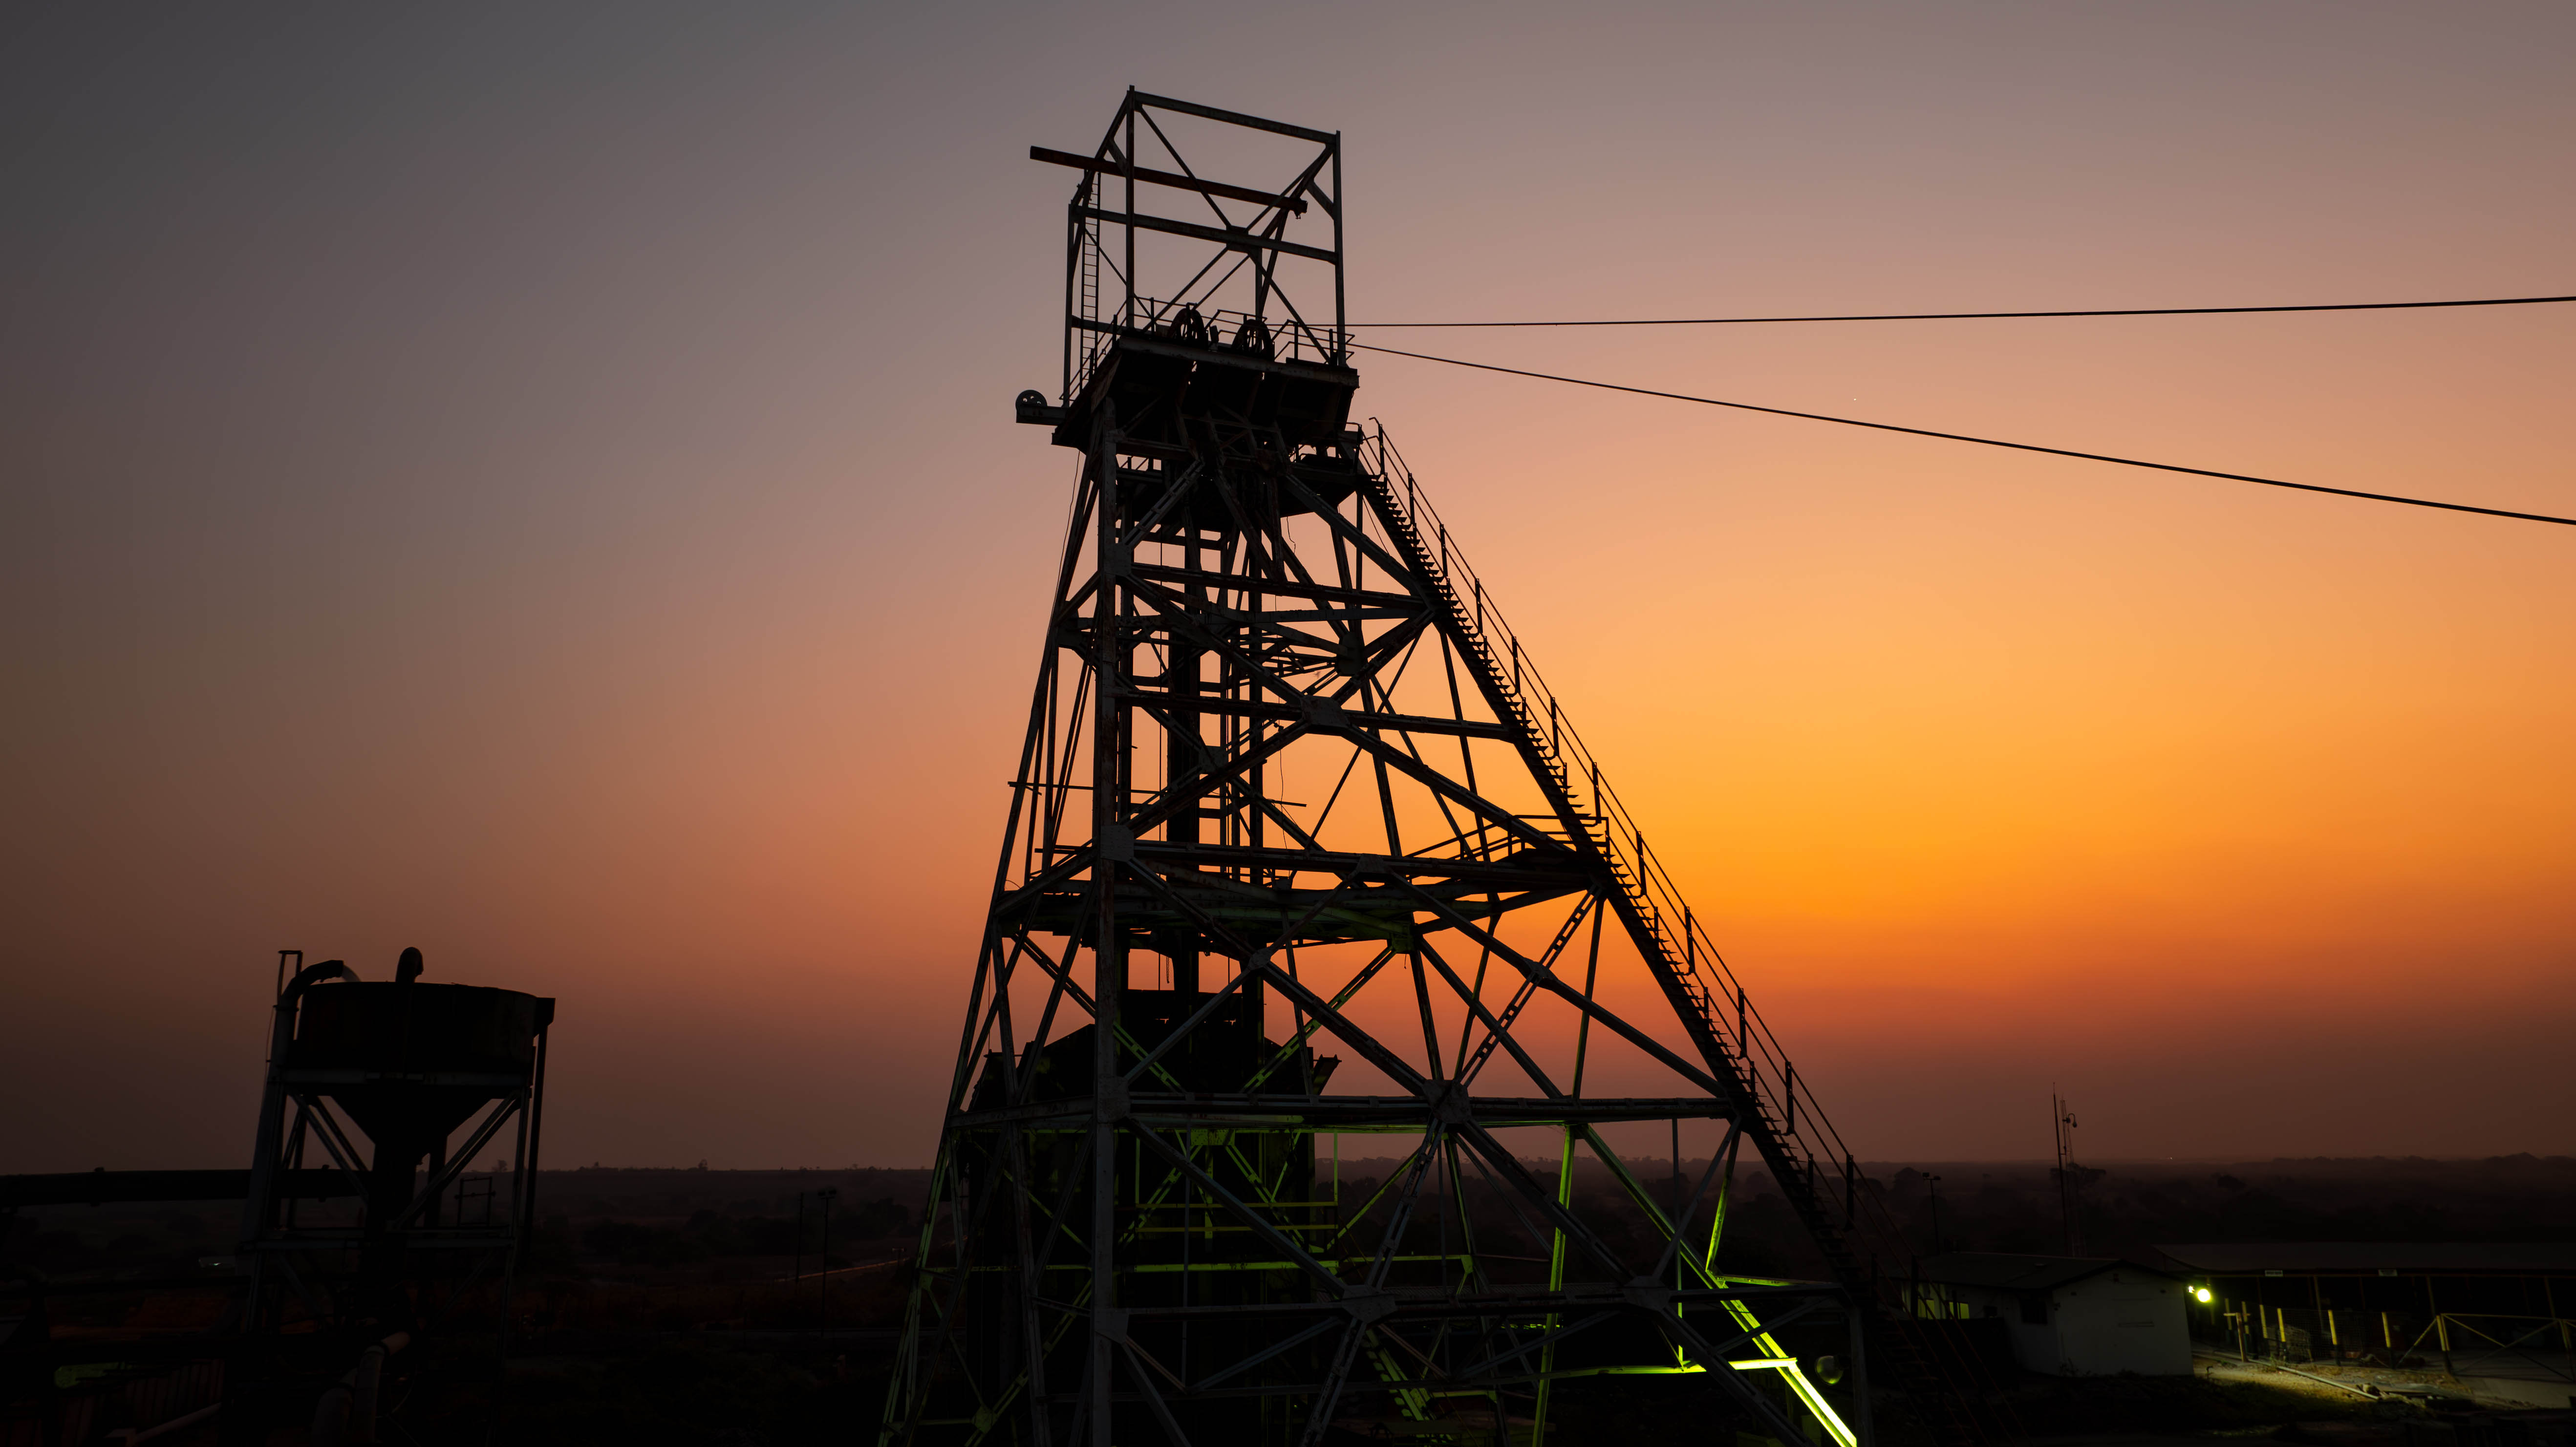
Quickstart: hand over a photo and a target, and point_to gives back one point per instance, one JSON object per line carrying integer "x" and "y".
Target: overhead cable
{"x": 2530, "y": 517}
{"x": 2147, "y": 311}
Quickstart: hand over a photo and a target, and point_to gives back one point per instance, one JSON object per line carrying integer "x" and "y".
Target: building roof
{"x": 2437, "y": 1258}
{"x": 2007, "y": 1271}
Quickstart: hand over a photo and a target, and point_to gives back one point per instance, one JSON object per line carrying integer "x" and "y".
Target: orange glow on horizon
{"x": 558, "y": 509}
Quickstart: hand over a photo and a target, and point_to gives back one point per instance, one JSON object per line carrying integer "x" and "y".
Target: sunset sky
{"x": 537, "y": 483}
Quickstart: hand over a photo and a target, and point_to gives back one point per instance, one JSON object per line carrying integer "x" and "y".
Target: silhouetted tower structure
{"x": 1290, "y": 786}
{"x": 399, "y": 1085}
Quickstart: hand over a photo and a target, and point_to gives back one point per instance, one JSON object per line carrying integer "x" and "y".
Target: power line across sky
{"x": 1980, "y": 441}
{"x": 2161, "y": 311}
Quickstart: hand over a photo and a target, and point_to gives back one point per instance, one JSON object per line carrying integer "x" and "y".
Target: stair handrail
{"x": 1789, "y": 1105}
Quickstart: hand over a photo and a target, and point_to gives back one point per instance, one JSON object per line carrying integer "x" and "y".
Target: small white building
{"x": 2066, "y": 1316}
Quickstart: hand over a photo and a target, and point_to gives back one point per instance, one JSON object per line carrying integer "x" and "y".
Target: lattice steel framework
{"x": 1288, "y": 785}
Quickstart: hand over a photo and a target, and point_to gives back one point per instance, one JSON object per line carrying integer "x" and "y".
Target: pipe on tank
{"x": 272, "y": 1103}
{"x": 331, "y": 1417}
{"x": 365, "y": 1386}
{"x": 346, "y": 1414}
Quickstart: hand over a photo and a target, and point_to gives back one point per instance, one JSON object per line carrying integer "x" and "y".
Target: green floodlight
{"x": 2201, "y": 1292}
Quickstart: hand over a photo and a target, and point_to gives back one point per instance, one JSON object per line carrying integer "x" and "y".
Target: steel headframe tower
{"x": 1290, "y": 783}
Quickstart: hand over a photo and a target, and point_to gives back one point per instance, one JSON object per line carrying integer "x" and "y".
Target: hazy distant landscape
{"x": 666, "y": 1225}
{"x": 664, "y": 1304}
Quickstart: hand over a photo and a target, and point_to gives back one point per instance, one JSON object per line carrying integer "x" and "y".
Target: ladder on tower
{"x": 1087, "y": 277}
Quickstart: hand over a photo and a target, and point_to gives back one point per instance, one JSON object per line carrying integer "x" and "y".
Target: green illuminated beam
{"x": 1806, "y": 1390}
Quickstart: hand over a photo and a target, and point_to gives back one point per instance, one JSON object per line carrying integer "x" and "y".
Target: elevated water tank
{"x": 411, "y": 1062}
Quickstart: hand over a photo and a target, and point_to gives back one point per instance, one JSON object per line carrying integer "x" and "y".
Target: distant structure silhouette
{"x": 396, "y": 1086}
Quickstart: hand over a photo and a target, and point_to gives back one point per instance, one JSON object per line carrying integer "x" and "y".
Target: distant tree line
{"x": 709, "y": 1235}
{"x": 2124, "y": 1209}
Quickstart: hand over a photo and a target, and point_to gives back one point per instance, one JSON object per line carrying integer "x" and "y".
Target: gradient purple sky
{"x": 536, "y": 483}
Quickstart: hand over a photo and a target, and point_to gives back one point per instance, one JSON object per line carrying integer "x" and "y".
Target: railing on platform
{"x": 1276, "y": 338}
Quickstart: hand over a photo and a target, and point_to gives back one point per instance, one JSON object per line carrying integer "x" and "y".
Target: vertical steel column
{"x": 1858, "y": 1373}
{"x": 1113, "y": 846}
{"x": 1182, "y": 664}
{"x": 1128, "y": 316}
{"x": 523, "y": 1180}
{"x": 1341, "y": 319}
